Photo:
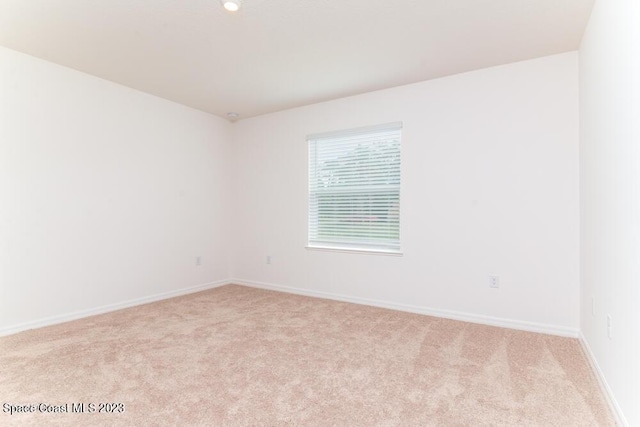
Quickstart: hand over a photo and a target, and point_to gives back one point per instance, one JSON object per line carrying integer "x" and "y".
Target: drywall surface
{"x": 489, "y": 187}
{"x": 610, "y": 197}
{"x": 107, "y": 194}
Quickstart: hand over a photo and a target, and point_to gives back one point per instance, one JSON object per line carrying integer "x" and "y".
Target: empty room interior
{"x": 320, "y": 213}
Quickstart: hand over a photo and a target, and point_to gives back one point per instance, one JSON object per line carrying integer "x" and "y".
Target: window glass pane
{"x": 354, "y": 189}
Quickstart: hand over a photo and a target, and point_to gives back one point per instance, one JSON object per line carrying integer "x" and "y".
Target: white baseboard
{"x": 447, "y": 314}
{"x": 616, "y": 411}
{"x": 53, "y": 320}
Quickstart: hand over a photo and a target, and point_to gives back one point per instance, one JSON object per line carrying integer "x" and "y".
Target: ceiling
{"x": 277, "y": 54}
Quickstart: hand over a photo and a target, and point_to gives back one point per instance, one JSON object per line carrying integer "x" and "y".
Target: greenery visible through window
{"x": 354, "y": 189}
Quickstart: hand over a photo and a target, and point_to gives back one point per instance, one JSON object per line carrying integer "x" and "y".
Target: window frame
{"x": 393, "y": 248}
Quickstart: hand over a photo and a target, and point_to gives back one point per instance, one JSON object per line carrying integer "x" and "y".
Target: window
{"x": 354, "y": 189}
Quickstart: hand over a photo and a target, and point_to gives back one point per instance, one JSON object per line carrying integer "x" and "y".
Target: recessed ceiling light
{"x": 231, "y": 5}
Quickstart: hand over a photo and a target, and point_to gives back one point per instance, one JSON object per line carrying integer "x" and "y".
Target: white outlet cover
{"x": 494, "y": 282}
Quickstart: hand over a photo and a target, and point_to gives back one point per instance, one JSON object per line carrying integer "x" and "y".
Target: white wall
{"x": 490, "y": 186}
{"x": 610, "y": 196}
{"x": 107, "y": 194}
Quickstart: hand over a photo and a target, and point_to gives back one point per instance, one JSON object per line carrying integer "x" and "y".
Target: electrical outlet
{"x": 198, "y": 260}
{"x": 609, "y": 326}
{"x": 268, "y": 259}
{"x": 494, "y": 282}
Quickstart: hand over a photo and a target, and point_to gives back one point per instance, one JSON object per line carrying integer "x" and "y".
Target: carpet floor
{"x": 237, "y": 356}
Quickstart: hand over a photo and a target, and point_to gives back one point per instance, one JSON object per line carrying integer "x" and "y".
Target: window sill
{"x": 355, "y": 250}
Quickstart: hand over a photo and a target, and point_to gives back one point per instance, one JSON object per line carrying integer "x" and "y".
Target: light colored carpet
{"x": 236, "y": 356}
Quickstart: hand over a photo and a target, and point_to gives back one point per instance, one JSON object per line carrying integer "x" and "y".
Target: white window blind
{"x": 354, "y": 189}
